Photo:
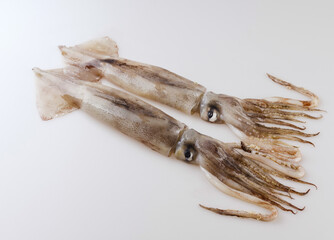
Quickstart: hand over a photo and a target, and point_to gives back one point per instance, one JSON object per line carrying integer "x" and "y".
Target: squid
{"x": 231, "y": 167}
{"x": 258, "y": 122}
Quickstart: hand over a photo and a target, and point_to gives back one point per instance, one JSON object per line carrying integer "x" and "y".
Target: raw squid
{"x": 248, "y": 118}
{"x": 229, "y": 166}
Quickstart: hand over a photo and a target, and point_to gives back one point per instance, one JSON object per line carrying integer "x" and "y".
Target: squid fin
{"x": 89, "y": 51}
{"x": 51, "y": 101}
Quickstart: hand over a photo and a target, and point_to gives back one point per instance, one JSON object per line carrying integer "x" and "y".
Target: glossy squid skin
{"x": 231, "y": 169}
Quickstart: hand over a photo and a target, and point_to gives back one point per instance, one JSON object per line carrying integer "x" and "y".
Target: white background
{"x": 73, "y": 178}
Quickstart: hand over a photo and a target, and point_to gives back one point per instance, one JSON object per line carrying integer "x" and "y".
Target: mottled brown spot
{"x": 245, "y": 148}
{"x": 89, "y": 66}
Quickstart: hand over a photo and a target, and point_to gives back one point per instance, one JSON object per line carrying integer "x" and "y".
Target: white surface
{"x": 73, "y": 178}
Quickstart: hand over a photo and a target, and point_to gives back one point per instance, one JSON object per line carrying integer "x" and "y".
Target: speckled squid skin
{"x": 127, "y": 114}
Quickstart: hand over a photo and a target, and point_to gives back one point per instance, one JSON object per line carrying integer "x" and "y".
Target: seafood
{"x": 229, "y": 166}
{"x": 248, "y": 118}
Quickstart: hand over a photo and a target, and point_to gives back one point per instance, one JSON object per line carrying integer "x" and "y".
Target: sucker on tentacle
{"x": 247, "y": 117}
{"x": 237, "y": 172}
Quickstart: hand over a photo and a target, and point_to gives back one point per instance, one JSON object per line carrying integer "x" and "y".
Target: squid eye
{"x": 212, "y": 114}
{"x": 188, "y": 155}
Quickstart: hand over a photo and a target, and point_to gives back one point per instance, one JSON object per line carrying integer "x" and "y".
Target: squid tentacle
{"x": 293, "y": 138}
{"x": 243, "y": 196}
{"x": 263, "y": 155}
{"x": 285, "y": 175}
{"x": 267, "y": 179}
{"x": 223, "y": 162}
{"x": 286, "y": 103}
{"x": 282, "y": 131}
{"x": 296, "y": 172}
{"x": 258, "y": 174}
{"x": 264, "y": 194}
{"x": 278, "y": 122}
{"x": 273, "y": 149}
{"x": 298, "y": 180}
{"x": 235, "y": 170}
{"x": 288, "y": 195}
{"x": 312, "y": 103}
{"x": 275, "y": 116}
{"x": 256, "y": 104}
{"x": 281, "y": 113}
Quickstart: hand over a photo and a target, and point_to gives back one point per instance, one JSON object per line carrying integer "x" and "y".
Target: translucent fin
{"x": 52, "y": 86}
{"x": 49, "y": 100}
{"x": 89, "y": 51}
